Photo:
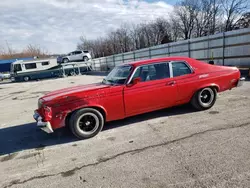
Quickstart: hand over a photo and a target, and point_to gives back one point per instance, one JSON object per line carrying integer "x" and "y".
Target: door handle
{"x": 171, "y": 83}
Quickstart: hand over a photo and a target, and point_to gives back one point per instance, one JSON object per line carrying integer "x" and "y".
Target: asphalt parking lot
{"x": 175, "y": 147}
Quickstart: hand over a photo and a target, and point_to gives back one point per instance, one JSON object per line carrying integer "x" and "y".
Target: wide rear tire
{"x": 86, "y": 123}
{"x": 204, "y": 98}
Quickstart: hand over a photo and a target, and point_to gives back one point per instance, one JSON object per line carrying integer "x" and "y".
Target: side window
{"x": 78, "y": 52}
{"x": 17, "y": 67}
{"x": 153, "y": 72}
{"x": 180, "y": 68}
{"x": 30, "y": 66}
{"x": 45, "y": 63}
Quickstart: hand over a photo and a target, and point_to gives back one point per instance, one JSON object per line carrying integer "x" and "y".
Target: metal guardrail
{"x": 229, "y": 48}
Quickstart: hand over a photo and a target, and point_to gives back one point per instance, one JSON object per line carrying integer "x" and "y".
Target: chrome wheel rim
{"x": 206, "y": 97}
{"x": 88, "y": 123}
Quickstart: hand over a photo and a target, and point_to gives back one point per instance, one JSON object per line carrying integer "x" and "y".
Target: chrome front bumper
{"x": 45, "y": 126}
{"x": 241, "y": 81}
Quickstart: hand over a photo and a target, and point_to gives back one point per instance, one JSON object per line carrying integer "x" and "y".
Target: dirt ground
{"x": 175, "y": 147}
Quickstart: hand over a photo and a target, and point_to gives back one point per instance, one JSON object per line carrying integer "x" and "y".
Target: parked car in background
{"x": 135, "y": 88}
{"x": 4, "y": 76}
{"x": 77, "y": 55}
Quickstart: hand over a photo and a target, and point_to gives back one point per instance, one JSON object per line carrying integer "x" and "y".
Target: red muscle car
{"x": 135, "y": 88}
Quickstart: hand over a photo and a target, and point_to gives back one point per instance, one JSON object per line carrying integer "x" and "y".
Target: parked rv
{"x": 45, "y": 68}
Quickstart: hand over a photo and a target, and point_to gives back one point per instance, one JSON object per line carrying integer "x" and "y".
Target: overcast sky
{"x": 56, "y": 25}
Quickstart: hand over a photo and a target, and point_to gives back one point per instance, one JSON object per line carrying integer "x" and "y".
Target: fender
{"x": 209, "y": 85}
{"x": 96, "y": 106}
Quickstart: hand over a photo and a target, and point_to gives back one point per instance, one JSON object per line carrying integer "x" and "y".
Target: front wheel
{"x": 65, "y": 60}
{"x": 204, "y": 98}
{"x": 86, "y": 123}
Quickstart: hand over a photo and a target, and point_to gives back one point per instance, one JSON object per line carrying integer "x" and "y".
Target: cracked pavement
{"x": 176, "y": 147}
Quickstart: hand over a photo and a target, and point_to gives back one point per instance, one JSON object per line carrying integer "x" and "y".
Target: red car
{"x": 135, "y": 88}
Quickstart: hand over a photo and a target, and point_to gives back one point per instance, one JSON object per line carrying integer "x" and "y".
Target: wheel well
{"x": 94, "y": 107}
{"x": 215, "y": 87}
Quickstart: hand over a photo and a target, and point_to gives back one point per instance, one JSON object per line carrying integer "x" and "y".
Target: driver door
{"x": 155, "y": 91}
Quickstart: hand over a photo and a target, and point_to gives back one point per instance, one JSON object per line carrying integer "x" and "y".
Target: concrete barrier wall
{"x": 230, "y": 48}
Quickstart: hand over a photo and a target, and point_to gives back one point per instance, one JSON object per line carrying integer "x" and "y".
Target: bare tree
{"x": 186, "y": 13}
{"x": 33, "y": 50}
{"x": 243, "y": 22}
{"x": 206, "y": 19}
{"x": 233, "y": 9}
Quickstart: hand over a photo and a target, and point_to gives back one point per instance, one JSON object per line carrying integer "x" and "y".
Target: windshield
{"x": 118, "y": 75}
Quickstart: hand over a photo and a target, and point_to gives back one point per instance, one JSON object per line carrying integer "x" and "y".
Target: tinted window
{"x": 30, "y": 66}
{"x": 78, "y": 52}
{"x": 180, "y": 68}
{"x": 86, "y": 51}
{"x": 17, "y": 67}
{"x": 152, "y": 72}
{"x": 45, "y": 63}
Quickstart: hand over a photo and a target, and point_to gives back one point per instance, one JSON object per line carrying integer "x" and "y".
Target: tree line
{"x": 30, "y": 51}
{"x": 190, "y": 19}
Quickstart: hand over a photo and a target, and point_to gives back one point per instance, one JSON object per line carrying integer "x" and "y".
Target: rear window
{"x": 86, "y": 51}
{"x": 180, "y": 68}
{"x": 30, "y": 66}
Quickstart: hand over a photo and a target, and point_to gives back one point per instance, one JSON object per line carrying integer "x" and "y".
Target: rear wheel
{"x": 86, "y": 123}
{"x": 204, "y": 98}
{"x": 85, "y": 58}
{"x": 26, "y": 78}
{"x": 72, "y": 73}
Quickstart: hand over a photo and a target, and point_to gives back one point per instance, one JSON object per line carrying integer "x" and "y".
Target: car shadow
{"x": 28, "y": 136}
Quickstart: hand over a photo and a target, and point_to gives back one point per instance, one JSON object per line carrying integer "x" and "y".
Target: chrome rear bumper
{"x": 45, "y": 126}
{"x": 240, "y": 82}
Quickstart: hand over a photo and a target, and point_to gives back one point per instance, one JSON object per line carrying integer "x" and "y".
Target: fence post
{"x": 168, "y": 50}
{"x": 149, "y": 52}
{"x": 189, "y": 53}
{"x": 134, "y": 55}
{"x": 94, "y": 65}
{"x": 100, "y": 64}
{"x": 106, "y": 63}
{"x": 114, "y": 60}
{"x": 122, "y": 58}
{"x": 223, "y": 50}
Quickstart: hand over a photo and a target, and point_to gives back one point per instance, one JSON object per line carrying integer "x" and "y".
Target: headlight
{"x": 40, "y": 103}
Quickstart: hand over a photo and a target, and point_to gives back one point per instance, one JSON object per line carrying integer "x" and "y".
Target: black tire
{"x": 26, "y": 78}
{"x": 88, "y": 117}
{"x": 85, "y": 58}
{"x": 204, "y": 98}
{"x": 65, "y": 60}
{"x": 72, "y": 73}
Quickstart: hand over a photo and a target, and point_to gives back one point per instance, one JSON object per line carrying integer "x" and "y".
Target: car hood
{"x": 72, "y": 91}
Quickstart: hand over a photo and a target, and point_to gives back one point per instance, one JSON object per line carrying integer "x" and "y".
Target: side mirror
{"x": 136, "y": 80}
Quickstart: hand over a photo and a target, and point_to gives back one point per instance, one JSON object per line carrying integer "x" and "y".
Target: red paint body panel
{"x": 121, "y": 101}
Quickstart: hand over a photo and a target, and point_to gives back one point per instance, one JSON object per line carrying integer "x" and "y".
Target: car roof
{"x": 157, "y": 60}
